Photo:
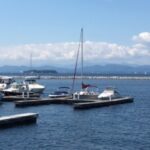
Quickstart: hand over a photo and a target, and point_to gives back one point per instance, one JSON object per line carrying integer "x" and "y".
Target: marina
{"x": 59, "y": 113}
{"x": 74, "y": 75}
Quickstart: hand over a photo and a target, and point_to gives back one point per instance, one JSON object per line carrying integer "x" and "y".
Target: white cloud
{"x": 65, "y": 53}
{"x": 142, "y": 37}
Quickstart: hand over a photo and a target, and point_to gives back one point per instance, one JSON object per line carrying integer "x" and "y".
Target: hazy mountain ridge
{"x": 95, "y": 69}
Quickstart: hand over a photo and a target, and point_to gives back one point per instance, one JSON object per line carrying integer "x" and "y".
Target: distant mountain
{"x": 21, "y": 69}
{"x": 95, "y": 69}
{"x": 117, "y": 69}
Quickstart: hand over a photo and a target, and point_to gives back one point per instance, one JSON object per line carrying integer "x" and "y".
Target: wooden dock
{"x": 19, "y": 119}
{"x": 102, "y": 103}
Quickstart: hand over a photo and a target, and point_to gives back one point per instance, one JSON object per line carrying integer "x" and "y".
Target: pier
{"x": 18, "y": 98}
{"x": 47, "y": 101}
{"x": 18, "y": 119}
{"x": 77, "y": 104}
{"x": 102, "y": 103}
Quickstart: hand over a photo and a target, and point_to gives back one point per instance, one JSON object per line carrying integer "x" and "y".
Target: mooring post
{"x": 78, "y": 96}
{"x": 110, "y": 98}
{"x": 23, "y": 94}
{"x": 27, "y": 88}
{"x": 74, "y": 96}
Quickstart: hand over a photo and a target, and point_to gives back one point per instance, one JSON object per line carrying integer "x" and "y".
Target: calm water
{"x": 59, "y": 127}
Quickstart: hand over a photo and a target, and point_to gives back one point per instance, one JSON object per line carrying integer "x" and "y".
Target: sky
{"x": 115, "y": 32}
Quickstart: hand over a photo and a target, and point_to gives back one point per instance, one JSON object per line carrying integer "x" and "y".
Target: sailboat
{"x": 85, "y": 92}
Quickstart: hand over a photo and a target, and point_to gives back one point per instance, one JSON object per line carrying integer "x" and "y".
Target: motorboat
{"x": 33, "y": 85}
{"x": 5, "y": 81}
{"x": 14, "y": 89}
{"x": 109, "y": 93}
{"x": 61, "y": 92}
{"x": 17, "y": 89}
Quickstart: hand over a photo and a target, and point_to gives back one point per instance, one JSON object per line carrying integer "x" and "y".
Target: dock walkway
{"x": 46, "y": 101}
{"x": 102, "y": 103}
{"x": 77, "y": 104}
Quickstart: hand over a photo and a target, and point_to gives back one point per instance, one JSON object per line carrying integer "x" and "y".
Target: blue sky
{"x": 31, "y": 26}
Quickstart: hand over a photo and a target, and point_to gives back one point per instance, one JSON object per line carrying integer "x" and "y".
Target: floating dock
{"x": 17, "y": 98}
{"x": 77, "y": 104}
{"x": 19, "y": 119}
{"x": 102, "y": 103}
{"x": 46, "y": 101}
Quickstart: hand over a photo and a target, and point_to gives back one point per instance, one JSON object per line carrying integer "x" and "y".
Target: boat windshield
{"x": 60, "y": 92}
{"x": 64, "y": 88}
{"x": 30, "y": 81}
{"x": 7, "y": 80}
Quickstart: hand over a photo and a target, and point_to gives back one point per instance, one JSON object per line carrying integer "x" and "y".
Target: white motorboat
{"x": 14, "y": 87}
{"x": 61, "y": 92}
{"x": 108, "y": 94}
{"x": 17, "y": 89}
{"x": 5, "y": 81}
{"x": 33, "y": 85}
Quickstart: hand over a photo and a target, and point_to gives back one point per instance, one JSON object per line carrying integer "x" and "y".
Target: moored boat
{"x": 5, "y": 81}
{"x": 61, "y": 92}
{"x": 85, "y": 92}
{"x": 109, "y": 94}
{"x": 33, "y": 85}
{"x": 17, "y": 89}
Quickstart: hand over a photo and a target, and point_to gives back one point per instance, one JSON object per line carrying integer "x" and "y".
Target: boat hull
{"x": 8, "y": 93}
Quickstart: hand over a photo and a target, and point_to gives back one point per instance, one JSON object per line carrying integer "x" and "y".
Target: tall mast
{"x": 31, "y": 61}
{"x": 82, "y": 54}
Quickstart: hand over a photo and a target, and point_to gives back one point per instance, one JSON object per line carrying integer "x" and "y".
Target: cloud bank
{"x": 64, "y": 54}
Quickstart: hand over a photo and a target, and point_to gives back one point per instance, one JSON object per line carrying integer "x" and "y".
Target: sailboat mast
{"x": 82, "y": 54}
{"x": 31, "y": 61}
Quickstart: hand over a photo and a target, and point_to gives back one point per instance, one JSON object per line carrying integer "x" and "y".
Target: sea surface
{"x": 60, "y": 127}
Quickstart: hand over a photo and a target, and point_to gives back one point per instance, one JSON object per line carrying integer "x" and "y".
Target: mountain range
{"x": 94, "y": 69}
